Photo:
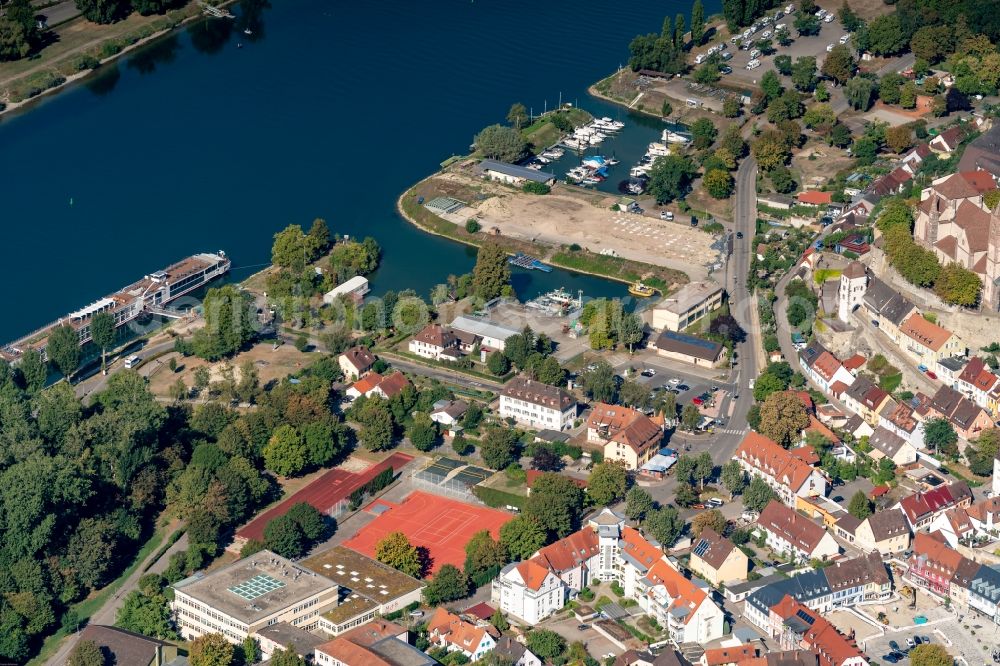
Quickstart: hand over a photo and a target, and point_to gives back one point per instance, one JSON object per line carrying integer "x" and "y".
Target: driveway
{"x": 597, "y": 645}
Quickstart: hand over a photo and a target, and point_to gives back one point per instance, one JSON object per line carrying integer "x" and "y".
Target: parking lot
{"x": 951, "y": 633}
{"x": 596, "y": 644}
{"x": 816, "y": 45}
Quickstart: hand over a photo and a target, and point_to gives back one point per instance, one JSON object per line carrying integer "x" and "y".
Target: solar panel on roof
{"x": 689, "y": 339}
{"x": 701, "y": 548}
{"x": 805, "y": 617}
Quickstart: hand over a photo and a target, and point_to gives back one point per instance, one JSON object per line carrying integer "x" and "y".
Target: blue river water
{"x": 214, "y": 139}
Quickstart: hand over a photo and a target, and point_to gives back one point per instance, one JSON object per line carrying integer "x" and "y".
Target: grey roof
{"x": 508, "y": 647}
{"x": 859, "y": 571}
{"x": 804, "y": 587}
{"x": 886, "y": 301}
{"x": 287, "y": 635}
{"x": 750, "y": 585}
{"x": 954, "y": 363}
{"x": 127, "y": 648}
{"x": 859, "y": 388}
{"x": 689, "y": 345}
{"x": 982, "y": 153}
{"x": 986, "y": 583}
{"x": 688, "y": 296}
{"x": 792, "y": 658}
{"x": 483, "y": 327}
{"x": 887, "y": 524}
{"x": 810, "y": 353}
{"x": 552, "y": 436}
{"x": 854, "y": 423}
{"x": 515, "y": 171}
{"x": 886, "y": 441}
{"x": 399, "y": 653}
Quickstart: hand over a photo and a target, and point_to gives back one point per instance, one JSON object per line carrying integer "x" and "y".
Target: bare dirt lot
{"x": 563, "y": 218}
{"x": 827, "y": 161}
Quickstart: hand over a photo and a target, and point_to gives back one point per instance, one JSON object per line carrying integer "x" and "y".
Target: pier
{"x": 211, "y": 10}
{"x": 529, "y": 263}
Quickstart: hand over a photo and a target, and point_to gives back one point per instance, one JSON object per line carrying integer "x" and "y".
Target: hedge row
{"x": 498, "y": 499}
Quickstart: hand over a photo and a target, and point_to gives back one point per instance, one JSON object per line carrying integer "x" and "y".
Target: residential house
{"x": 577, "y": 557}
{"x": 886, "y": 306}
{"x": 686, "y": 610}
{"x": 923, "y": 506}
{"x": 926, "y": 342}
{"x": 985, "y": 516}
{"x": 966, "y": 417}
{"x": 948, "y": 141}
{"x": 884, "y": 531}
{"x": 815, "y": 198}
{"x": 356, "y": 362}
{"x": 858, "y": 580}
{"x": 666, "y": 657}
{"x": 863, "y": 397}
{"x": 954, "y": 525}
{"x": 856, "y": 426}
{"x": 489, "y": 334}
{"x": 809, "y": 588}
{"x": 728, "y": 656}
{"x": 827, "y": 369}
{"x": 887, "y": 444}
{"x": 625, "y": 434}
{"x": 804, "y": 628}
{"x": 977, "y": 383}
{"x": 537, "y": 405}
{"x": 717, "y": 559}
{"x": 902, "y": 422}
{"x": 791, "y": 534}
{"x": 933, "y": 563}
{"x": 788, "y": 475}
{"x": 690, "y": 349}
{"x": 449, "y": 412}
{"x": 515, "y": 653}
{"x": 948, "y": 369}
{"x": 529, "y": 591}
{"x": 456, "y": 635}
{"x": 390, "y": 385}
{"x": 984, "y": 592}
{"x": 435, "y": 342}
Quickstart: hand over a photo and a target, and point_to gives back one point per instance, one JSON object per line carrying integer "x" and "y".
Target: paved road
{"x": 59, "y": 13}
{"x": 106, "y": 614}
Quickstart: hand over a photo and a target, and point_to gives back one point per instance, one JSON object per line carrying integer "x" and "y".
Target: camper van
{"x": 132, "y": 361}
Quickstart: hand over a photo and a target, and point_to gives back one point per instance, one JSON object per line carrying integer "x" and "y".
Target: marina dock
{"x": 529, "y": 263}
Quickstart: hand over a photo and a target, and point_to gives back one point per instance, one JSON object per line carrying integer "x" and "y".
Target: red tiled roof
{"x": 729, "y": 655}
{"x": 815, "y": 197}
{"x": 793, "y": 527}
{"x": 532, "y": 573}
{"x": 816, "y": 426}
{"x": 683, "y": 592}
{"x": 826, "y": 365}
{"x": 926, "y": 333}
{"x": 394, "y": 383}
{"x": 367, "y": 383}
{"x": 570, "y": 551}
{"x": 639, "y": 549}
{"x": 773, "y": 460}
{"x": 482, "y": 611}
{"x": 855, "y": 362}
{"x": 921, "y": 504}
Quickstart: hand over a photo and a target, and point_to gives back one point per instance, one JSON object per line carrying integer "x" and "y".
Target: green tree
{"x": 731, "y": 107}
{"x": 484, "y": 557}
{"x": 556, "y": 502}
{"x": 783, "y": 417}
{"x": 770, "y": 150}
{"x": 522, "y": 536}
{"x": 491, "y": 274}
{"x": 599, "y": 382}
{"x": 104, "y": 11}
{"x": 33, "y": 370}
{"x": 423, "y": 432}
{"x": 518, "y": 115}
{"x": 666, "y": 109}
{"x": 703, "y": 132}
{"x": 395, "y": 550}
{"x": 377, "y": 428}
{"x": 690, "y": 417}
{"x": 930, "y": 654}
{"x": 771, "y": 85}
{"x": 758, "y": 494}
{"x": 286, "y": 657}
{"x": 309, "y": 520}
{"x": 885, "y": 35}
{"x": 807, "y": 24}
{"x": 679, "y": 31}
{"x": 501, "y": 143}
{"x": 664, "y": 524}
{"x": 229, "y": 323}
{"x": 284, "y": 536}
{"x": 718, "y": 183}
{"x": 733, "y": 478}
{"x": 804, "y": 76}
{"x": 499, "y": 622}
{"x": 144, "y": 614}
{"x": 781, "y": 178}
{"x": 783, "y": 63}
{"x": 670, "y": 177}
{"x": 211, "y": 650}
{"x": 448, "y": 584}
{"x": 290, "y": 249}
{"x": 251, "y": 650}
{"x": 939, "y": 434}
{"x": 63, "y": 349}
{"x": 546, "y": 644}
{"x": 638, "y": 503}
{"x": 499, "y": 447}
{"x": 860, "y": 506}
{"x": 859, "y": 92}
{"x": 765, "y": 385}
{"x": 102, "y": 332}
{"x": 712, "y": 519}
{"x": 958, "y": 285}
{"x": 839, "y": 65}
{"x": 697, "y": 22}
{"x": 86, "y": 653}
{"x": 608, "y": 483}
{"x": 285, "y": 452}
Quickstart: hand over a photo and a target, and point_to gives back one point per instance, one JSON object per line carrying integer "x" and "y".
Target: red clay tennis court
{"x": 443, "y": 526}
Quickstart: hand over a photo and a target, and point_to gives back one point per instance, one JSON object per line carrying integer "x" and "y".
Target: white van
{"x": 754, "y": 54}
{"x": 828, "y": 18}
{"x": 132, "y": 361}
{"x": 693, "y": 103}
{"x": 700, "y": 58}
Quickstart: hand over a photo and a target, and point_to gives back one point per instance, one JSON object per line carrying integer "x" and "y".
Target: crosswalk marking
{"x": 734, "y": 431}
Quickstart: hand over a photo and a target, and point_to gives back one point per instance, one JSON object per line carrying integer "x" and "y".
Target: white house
{"x": 435, "y": 342}
{"x": 528, "y": 591}
{"x": 792, "y": 534}
{"x": 537, "y": 405}
{"x": 492, "y": 335}
{"x": 451, "y": 632}
{"x": 355, "y": 362}
{"x": 354, "y": 289}
{"x": 786, "y": 473}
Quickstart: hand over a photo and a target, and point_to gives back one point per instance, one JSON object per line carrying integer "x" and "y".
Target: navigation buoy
{"x": 71, "y": 201}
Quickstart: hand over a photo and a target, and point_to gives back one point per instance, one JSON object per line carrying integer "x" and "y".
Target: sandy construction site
{"x": 564, "y": 218}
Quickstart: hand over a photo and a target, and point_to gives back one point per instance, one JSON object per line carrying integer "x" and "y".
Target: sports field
{"x": 443, "y": 526}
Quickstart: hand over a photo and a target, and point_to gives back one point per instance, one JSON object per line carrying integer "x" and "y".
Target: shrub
{"x": 472, "y": 226}
{"x": 536, "y": 188}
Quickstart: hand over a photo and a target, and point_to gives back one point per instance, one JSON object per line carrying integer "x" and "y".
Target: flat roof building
{"x": 690, "y": 349}
{"x": 250, "y": 594}
{"x": 692, "y": 302}
{"x": 372, "y": 588}
{"x": 513, "y": 174}
{"x": 355, "y": 289}
{"x": 493, "y": 335}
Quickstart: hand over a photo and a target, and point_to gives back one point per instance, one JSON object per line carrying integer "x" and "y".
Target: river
{"x": 214, "y": 139}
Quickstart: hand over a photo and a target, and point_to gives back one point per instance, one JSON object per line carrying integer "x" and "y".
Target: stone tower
{"x": 991, "y": 291}
{"x": 853, "y": 283}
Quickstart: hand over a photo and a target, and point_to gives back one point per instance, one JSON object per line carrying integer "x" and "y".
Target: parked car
{"x": 725, "y": 70}
{"x": 829, "y": 47}
{"x": 739, "y": 234}
{"x": 582, "y": 627}
{"x": 891, "y": 658}
{"x": 931, "y": 374}
{"x": 673, "y": 381}
{"x": 875, "y": 323}
{"x": 714, "y": 503}
{"x": 926, "y": 639}
{"x": 699, "y": 505}
{"x": 894, "y": 645}
{"x": 910, "y": 643}
{"x": 683, "y": 387}
{"x": 828, "y": 18}
{"x": 844, "y": 39}
{"x": 648, "y": 372}
{"x": 697, "y": 401}
{"x": 922, "y": 368}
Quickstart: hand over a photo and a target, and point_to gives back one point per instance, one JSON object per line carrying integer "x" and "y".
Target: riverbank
{"x": 81, "y": 55}
{"x": 572, "y": 257}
